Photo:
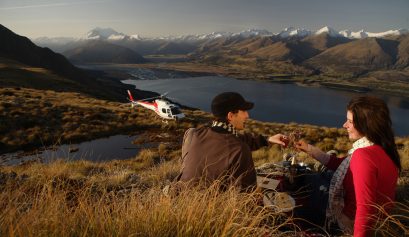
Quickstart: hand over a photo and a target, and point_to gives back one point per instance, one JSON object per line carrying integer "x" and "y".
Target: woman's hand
{"x": 279, "y": 139}
{"x": 301, "y": 145}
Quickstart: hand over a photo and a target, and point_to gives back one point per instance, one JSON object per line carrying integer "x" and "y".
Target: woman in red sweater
{"x": 365, "y": 179}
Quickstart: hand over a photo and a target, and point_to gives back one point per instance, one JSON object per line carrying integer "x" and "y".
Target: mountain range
{"x": 111, "y": 34}
{"x": 314, "y": 54}
{"x": 326, "y": 51}
{"x": 189, "y": 43}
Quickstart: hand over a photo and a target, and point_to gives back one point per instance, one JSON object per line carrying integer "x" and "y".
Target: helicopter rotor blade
{"x": 161, "y": 96}
{"x": 164, "y": 94}
{"x": 150, "y": 98}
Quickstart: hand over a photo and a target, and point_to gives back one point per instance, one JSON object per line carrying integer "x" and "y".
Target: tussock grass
{"x": 148, "y": 158}
{"x": 82, "y": 198}
{"x": 395, "y": 223}
{"x": 59, "y": 206}
{"x": 267, "y": 155}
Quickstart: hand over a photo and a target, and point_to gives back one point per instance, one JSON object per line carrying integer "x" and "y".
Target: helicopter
{"x": 160, "y": 106}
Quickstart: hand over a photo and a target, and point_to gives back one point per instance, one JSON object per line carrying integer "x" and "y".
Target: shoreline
{"x": 299, "y": 80}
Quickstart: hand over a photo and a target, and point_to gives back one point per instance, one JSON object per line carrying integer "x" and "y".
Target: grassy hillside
{"x": 34, "y": 118}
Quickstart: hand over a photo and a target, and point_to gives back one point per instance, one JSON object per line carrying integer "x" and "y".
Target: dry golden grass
{"x": 58, "y": 205}
{"x": 395, "y": 223}
{"x": 117, "y": 198}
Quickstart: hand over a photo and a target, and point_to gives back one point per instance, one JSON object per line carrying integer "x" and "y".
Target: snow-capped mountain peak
{"x": 293, "y": 32}
{"x": 253, "y": 32}
{"x": 330, "y": 31}
{"x": 364, "y": 34}
{"x": 353, "y": 35}
{"x": 136, "y": 37}
{"x": 389, "y": 32}
{"x": 214, "y": 35}
{"x": 104, "y": 34}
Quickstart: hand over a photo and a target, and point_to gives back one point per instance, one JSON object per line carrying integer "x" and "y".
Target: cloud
{"x": 52, "y": 4}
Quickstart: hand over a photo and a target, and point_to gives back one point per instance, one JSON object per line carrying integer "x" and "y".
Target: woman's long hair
{"x": 371, "y": 118}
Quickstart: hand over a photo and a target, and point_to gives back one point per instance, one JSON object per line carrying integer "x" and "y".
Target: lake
{"x": 102, "y": 149}
{"x": 274, "y": 102}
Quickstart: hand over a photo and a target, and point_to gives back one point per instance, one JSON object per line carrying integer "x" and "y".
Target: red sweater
{"x": 370, "y": 179}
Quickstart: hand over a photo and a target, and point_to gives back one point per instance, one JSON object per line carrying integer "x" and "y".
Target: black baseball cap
{"x": 227, "y": 102}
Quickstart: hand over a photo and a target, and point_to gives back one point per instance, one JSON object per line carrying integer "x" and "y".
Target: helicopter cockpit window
{"x": 175, "y": 110}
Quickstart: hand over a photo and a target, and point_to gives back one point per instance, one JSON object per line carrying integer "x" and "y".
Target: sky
{"x": 153, "y": 18}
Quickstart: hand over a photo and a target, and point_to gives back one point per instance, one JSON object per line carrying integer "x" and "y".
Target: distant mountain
{"x": 363, "y": 34}
{"x": 175, "y": 48}
{"x": 315, "y": 44}
{"x": 292, "y": 32}
{"x": 197, "y": 37}
{"x": 144, "y": 47}
{"x": 97, "y": 51}
{"x": 233, "y": 44}
{"x": 221, "y": 34}
{"x": 323, "y": 52}
{"x": 287, "y": 32}
{"x": 295, "y": 50}
{"x": 253, "y": 44}
{"x": 402, "y": 58}
{"x": 252, "y": 33}
{"x": 357, "y": 56}
{"x": 274, "y": 48}
{"x": 328, "y": 30}
{"x": 55, "y": 40}
{"x": 105, "y": 34}
{"x": 324, "y": 41}
{"x": 278, "y": 51}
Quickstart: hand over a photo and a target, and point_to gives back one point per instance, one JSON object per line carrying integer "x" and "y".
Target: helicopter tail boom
{"x": 130, "y": 96}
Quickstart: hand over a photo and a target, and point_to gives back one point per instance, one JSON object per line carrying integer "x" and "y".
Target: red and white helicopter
{"x": 160, "y": 106}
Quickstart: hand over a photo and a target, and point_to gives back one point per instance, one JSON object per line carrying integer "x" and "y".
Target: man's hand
{"x": 278, "y": 139}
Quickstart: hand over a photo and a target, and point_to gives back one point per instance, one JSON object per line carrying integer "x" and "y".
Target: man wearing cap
{"x": 218, "y": 152}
